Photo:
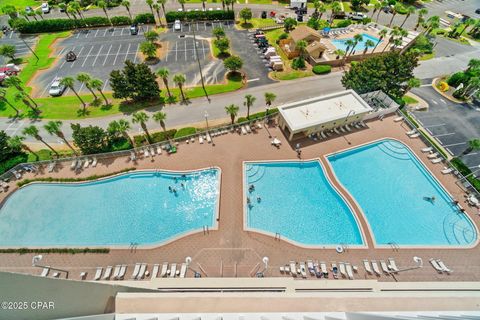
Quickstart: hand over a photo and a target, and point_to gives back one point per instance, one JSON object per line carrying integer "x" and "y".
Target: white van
{"x": 356, "y": 16}
{"x": 45, "y": 8}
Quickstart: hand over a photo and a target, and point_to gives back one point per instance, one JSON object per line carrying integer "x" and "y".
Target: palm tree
{"x": 249, "y": 100}
{"x": 179, "y": 80}
{"x": 335, "y": 8}
{"x": 69, "y": 82}
{"x": 377, "y": 6}
{"x": 338, "y": 53}
{"x": 97, "y": 84}
{"x": 382, "y": 35}
{"x": 395, "y": 10}
{"x": 350, "y": 44}
{"x": 76, "y": 6}
{"x": 32, "y": 131}
{"x": 321, "y": 9}
{"x": 473, "y": 144}
{"x": 150, "y": 4}
{"x": 383, "y": 4}
{"x": 269, "y": 99}
{"x": 156, "y": 7}
{"x": 25, "y": 15}
{"x": 368, "y": 44}
{"x": 120, "y": 127}
{"x": 182, "y": 3}
{"x": 164, "y": 73}
{"x": 22, "y": 96}
{"x": 126, "y": 4}
{"x": 356, "y": 39}
{"x": 432, "y": 23}
{"x": 466, "y": 24}
{"x": 3, "y": 93}
{"x": 33, "y": 15}
{"x": 160, "y": 117}
{"x": 421, "y": 13}
{"x": 473, "y": 64}
{"x": 63, "y": 7}
{"x": 410, "y": 10}
{"x": 232, "y": 111}
{"x": 72, "y": 12}
{"x": 14, "y": 81}
{"x": 16, "y": 143}
{"x": 103, "y": 5}
{"x": 203, "y": 5}
{"x": 301, "y": 46}
{"x": 142, "y": 118}
{"x": 39, "y": 13}
{"x": 162, "y": 3}
{"x": 393, "y": 33}
{"x": 85, "y": 79}
{"x": 54, "y": 128}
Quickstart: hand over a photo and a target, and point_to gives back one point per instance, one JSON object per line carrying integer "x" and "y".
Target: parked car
{"x": 299, "y": 17}
{"x": 387, "y": 9}
{"x": 477, "y": 11}
{"x": 177, "y": 25}
{"x": 28, "y": 10}
{"x": 134, "y": 29}
{"x": 264, "y": 15}
{"x": 339, "y": 15}
{"x": 356, "y": 16}
{"x": 45, "y": 8}
{"x": 56, "y": 89}
{"x": 10, "y": 69}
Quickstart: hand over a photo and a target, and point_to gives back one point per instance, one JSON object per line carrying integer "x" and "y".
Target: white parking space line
{"x": 121, "y": 33}
{"x": 78, "y": 34}
{"x": 203, "y": 48}
{"x": 252, "y": 80}
{"x": 443, "y": 101}
{"x": 136, "y": 52}
{"x": 96, "y": 33}
{"x": 470, "y": 154}
{"x": 86, "y": 58}
{"x": 445, "y": 134}
{"x": 78, "y": 55}
{"x": 128, "y": 51}
{"x": 98, "y": 54}
{"x": 11, "y": 34}
{"x": 116, "y": 56}
{"x": 87, "y": 33}
{"x": 61, "y": 51}
{"x": 166, "y": 56}
{"x": 434, "y": 102}
{"x": 435, "y": 125}
{"x": 105, "y": 85}
{"x": 185, "y": 50}
{"x": 15, "y": 129}
{"x": 455, "y": 144}
{"x": 176, "y": 50}
{"x": 105, "y": 32}
{"x": 106, "y": 56}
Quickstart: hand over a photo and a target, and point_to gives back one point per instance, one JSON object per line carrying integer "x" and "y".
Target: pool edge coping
{"x": 246, "y": 228}
{"x": 215, "y": 224}
{"x": 383, "y": 246}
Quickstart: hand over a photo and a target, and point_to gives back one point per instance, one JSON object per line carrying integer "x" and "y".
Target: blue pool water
{"x": 298, "y": 202}
{"x": 340, "y": 43}
{"x": 391, "y": 185}
{"x": 134, "y": 207}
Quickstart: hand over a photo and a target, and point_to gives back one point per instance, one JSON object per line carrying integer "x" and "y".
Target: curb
{"x": 450, "y": 98}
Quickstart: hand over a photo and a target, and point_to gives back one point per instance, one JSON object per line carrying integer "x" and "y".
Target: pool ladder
{"x": 277, "y": 236}
{"x": 394, "y": 246}
{"x": 206, "y": 230}
{"x": 133, "y": 246}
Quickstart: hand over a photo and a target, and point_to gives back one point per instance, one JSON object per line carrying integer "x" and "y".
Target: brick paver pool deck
{"x": 233, "y": 252}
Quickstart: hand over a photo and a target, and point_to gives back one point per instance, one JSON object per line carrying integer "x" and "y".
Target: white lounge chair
{"x": 323, "y": 267}
{"x": 136, "y": 270}
{"x": 200, "y": 139}
{"x": 94, "y": 162}
{"x": 159, "y": 149}
{"x": 133, "y": 157}
{"x": 121, "y": 274}
{"x": 348, "y": 266}
{"x": 384, "y": 266}
{"x": 363, "y": 124}
{"x": 303, "y": 270}
{"x": 398, "y": 119}
{"x": 426, "y": 150}
{"x": 336, "y": 131}
{"x": 356, "y": 125}
{"x": 348, "y": 128}
{"x": 141, "y": 272}
{"x": 367, "y": 267}
{"x": 87, "y": 163}
{"x": 323, "y": 135}
{"x": 311, "y": 268}
{"x": 163, "y": 273}
{"x": 249, "y": 130}
{"x": 343, "y": 271}
{"x": 209, "y": 139}
{"x": 411, "y": 132}
{"x": 375, "y": 267}
{"x": 155, "y": 269}
{"x": 438, "y": 160}
{"x": 83, "y": 275}
{"x": 293, "y": 268}
{"x": 45, "y": 271}
{"x": 183, "y": 270}
{"x": 335, "y": 273}
{"x": 98, "y": 274}
{"x": 108, "y": 273}
{"x": 244, "y": 131}
{"x": 116, "y": 272}
{"x": 436, "y": 266}
{"x": 343, "y": 129}
{"x": 146, "y": 153}
{"x": 51, "y": 166}
{"x": 392, "y": 265}
{"x": 74, "y": 164}
{"x": 79, "y": 164}
{"x": 282, "y": 269}
{"x": 447, "y": 170}
{"x": 56, "y": 275}
{"x": 433, "y": 155}
{"x": 416, "y": 135}
{"x": 173, "y": 270}
{"x": 443, "y": 266}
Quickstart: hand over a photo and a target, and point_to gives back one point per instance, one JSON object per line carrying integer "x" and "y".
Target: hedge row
{"x": 257, "y": 115}
{"x": 156, "y": 137}
{"x": 322, "y": 69}
{"x": 184, "y": 132}
{"x": 200, "y": 15}
{"x": 56, "y": 250}
{"x": 89, "y": 178}
{"x": 54, "y": 25}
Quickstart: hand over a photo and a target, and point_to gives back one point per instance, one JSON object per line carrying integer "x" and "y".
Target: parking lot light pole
{"x": 199, "y": 65}
{"x": 206, "y": 120}
{"x": 29, "y": 48}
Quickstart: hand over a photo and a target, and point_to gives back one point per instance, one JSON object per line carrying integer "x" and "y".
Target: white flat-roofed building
{"x": 302, "y": 118}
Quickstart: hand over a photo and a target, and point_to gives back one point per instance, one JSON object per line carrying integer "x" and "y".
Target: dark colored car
{"x": 299, "y": 18}
{"x": 477, "y": 11}
{"x": 387, "y": 9}
{"x": 134, "y": 29}
{"x": 340, "y": 15}
{"x": 264, "y": 14}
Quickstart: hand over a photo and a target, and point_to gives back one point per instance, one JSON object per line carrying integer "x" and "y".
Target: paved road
{"x": 452, "y": 124}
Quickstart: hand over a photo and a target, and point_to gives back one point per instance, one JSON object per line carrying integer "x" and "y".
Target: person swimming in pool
{"x": 259, "y": 199}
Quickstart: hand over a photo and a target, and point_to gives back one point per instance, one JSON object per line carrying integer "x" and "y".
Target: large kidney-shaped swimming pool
{"x": 143, "y": 207}
{"x": 401, "y": 200}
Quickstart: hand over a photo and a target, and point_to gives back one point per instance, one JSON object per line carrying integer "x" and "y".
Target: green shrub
{"x": 282, "y": 37}
{"x": 119, "y": 144}
{"x": 343, "y": 23}
{"x": 457, "y": 78}
{"x": 298, "y": 63}
{"x": 54, "y": 25}
{"x": 257, "y": 115}
{"x": 144, "y": 18}
{"x": 121, "y": 21}
{"x": 464, "y": 170}
{"x": 12, "y": 162}
{"x": 156, "y": 137}
{"x": 56, "y": 250}
{"x": 183, "y": 132}
{"x": 171, "y": 16}
{"x": 322, "y": 69}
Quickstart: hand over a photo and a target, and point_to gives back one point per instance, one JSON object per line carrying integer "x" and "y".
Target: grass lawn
{"x": 200, "y": 1}
{"x": 409, "y": 100}
{"x": 255, "y": 23}
{"x": 234, "y": 83}
{"x": 427, "y": 56}
{"x": 20, "y": 4}
{"x": 346, "y": 6}
{"x": 292, "y": 74}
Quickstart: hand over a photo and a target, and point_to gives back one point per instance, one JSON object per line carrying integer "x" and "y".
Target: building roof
{"x": 314, "y": 46}
{"x": 312, "y": 112}
{"x": 302, "y": 32}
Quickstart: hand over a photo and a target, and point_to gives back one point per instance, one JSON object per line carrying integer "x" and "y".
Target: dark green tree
{"x": 89, "y": 140}
{"x": 119, "y": 85}
{"x": 233, "y": 63}
{"x": 135, "y": 81}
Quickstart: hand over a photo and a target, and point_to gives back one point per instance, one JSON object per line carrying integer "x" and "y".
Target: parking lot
{"x": 14, "y": 38}
{"x": 453, "y": 125}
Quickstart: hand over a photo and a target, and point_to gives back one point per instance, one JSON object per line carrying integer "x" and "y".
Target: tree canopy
{"x": 91, "y": 139}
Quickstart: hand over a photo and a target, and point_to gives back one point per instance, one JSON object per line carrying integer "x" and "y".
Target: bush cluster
{"x": 443, "y": 86}
{"x": 298, "y": 63}
{"x": 184, "y": 132}
{"x": 144, "y": 18}
{"x": 56, "y": 250}
{"x": 457, "y": 78}
{"x": 199, "y": 15}
{"x": 322, "y": 69}
{"x": 156, "y": 137}
{"x": 12, "y": 162}
{"x": 257, "y": 115}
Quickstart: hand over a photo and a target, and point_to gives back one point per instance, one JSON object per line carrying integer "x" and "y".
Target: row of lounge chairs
{"x": 319, "y": 269}
{"x": 338, "y": 130}
{"x": 140, "y": 271}
{"x": 387, "y": 267}
{"x": 440, "y": 266}
{"x": 46, "y": 272}
{"x": 78, "y": 164}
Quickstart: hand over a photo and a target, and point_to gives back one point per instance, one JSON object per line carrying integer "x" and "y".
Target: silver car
{"x": 56, "y": 88}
